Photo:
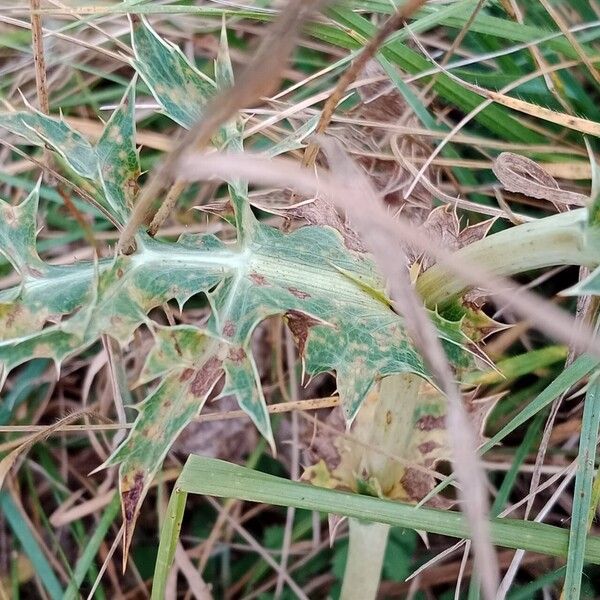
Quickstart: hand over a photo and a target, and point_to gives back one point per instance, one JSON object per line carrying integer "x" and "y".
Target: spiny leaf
{"x": 42, "y": 130}
{"x": 118, "y": 159}
{"x": 112, "y": 166}
{"x": 331, "y": 296}
{"x": 590, "y": 286}
{"x": 18, "y": 232}
{"x": 180, "y": 88}
{"x": 182, "y": 91}
{"x": 112, "y": 297}
{"x": 340, "y": 326}
{"x": 178, "y": 397}
{"x": 190, "y": 362}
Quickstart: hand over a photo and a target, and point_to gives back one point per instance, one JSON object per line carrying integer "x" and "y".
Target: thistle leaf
{"x": 191, "y": 363}
{"x": 112, "y": 166}
{"x": 41, "y": 130}
{"x": 179, "y": 87}
{"x": 118, "y": 160}
{"x": 18, "y": 232}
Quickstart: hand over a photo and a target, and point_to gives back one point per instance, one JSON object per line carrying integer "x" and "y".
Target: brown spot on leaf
{"x": 236, "y": 354}
{"x": 177, "y": 346}
{"x": 206, "y": 377}
{"x": 229, "y": 328}
{"x": 388, "y": 417}
{"x": 429, "y": 422}
{"x": 416, "y": 483}
{"x": 11, "y": 312}
{"x": 320, "y": 211}
{"x": 427, "y": 447}
{"x": 186, "y": 375}
{"x": 299, "y": 324}
{"x": 120, "y": 272}
{"x": 258, "y": 279}
{"x": 298, "y": 293}
{"x": 474, "y": 299}
{"x": 132, "y": 496}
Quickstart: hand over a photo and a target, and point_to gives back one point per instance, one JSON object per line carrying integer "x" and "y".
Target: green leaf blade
{"x": 179, "y": 88}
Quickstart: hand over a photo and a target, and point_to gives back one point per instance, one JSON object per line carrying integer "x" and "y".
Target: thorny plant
{"x": 319, "y": 278}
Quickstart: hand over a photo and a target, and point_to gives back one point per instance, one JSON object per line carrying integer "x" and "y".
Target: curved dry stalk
{"x": 523, "y": 175}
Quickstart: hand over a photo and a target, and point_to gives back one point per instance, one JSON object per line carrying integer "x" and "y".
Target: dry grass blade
{"x": 197, "y": 585}
{"x": 9, "y": 460}
{"x": 259, "y": 78}
{"x": 533, "y": 110}
{"x": 525, "y": 176}
{"x": 492, "y": 97}
{"x": 274, "y": 409}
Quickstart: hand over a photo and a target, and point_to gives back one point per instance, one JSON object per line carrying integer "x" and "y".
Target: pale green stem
{"x": 552, "y": 241}
{"x": 389, "y": 431}
{"x": 368, "y": 542}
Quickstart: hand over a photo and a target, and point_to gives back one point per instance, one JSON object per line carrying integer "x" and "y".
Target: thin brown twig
{"x": 396, "y": 21}
{"x": 38, "y": 57}
{"x": 166, "y": 207}
{"x": 301, "y": 405}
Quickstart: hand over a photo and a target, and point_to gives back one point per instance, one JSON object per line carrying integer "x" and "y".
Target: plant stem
{"x": 556, "y": 240}
{"x": 368, "y": 542}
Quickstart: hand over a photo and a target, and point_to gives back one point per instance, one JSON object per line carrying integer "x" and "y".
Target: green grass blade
{"x": 494, "y": 117}
{"x": 582, "y": 496}
{"x": 22, "y": 532}
{"x": 569, "y": 377}
{"x": 203, "y": 475}
{"x": 169, "y": 536}
{"x": 520, "y": 365}
{"x": 91, "y": 550}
